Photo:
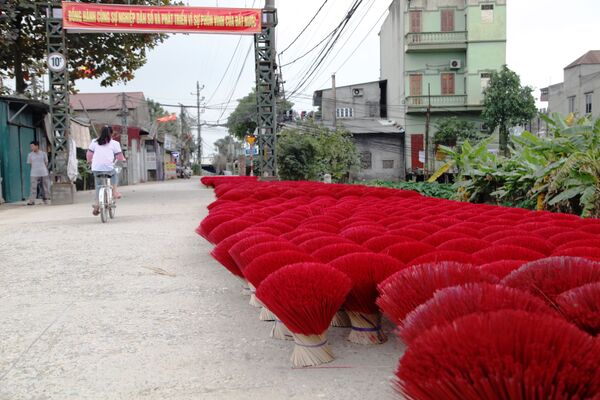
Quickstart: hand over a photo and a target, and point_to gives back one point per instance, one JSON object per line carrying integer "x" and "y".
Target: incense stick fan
{"x": 305, "y": 297}
{"x": 366, "y": 271}
{"x": 261, "y": 267}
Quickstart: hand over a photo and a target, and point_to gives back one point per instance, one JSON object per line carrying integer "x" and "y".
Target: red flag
{"x": 172, "y": 117}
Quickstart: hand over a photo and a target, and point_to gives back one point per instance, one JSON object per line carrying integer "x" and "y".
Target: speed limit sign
{"x": 56, "y": 62}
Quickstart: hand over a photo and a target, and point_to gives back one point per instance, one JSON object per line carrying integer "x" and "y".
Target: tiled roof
{"x": 591, "y": 57}
{"x": 105, "y": 101}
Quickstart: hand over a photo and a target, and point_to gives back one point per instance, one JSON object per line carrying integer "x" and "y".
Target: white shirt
{"x": 104, "y": 156}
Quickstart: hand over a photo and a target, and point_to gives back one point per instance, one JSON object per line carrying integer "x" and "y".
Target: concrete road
{"x": 137, "y": 309}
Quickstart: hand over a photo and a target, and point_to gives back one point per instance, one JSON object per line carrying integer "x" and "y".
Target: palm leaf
{"x": 566, "y": 195}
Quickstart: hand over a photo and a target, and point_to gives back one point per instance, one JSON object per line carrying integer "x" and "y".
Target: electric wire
{"x": 305, "y": 28}
{"x": 324, "y": 53}
{"x": 236, "y": 82}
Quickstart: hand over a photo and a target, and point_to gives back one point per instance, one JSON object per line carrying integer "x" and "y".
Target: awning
{"x": 80, "y": 133}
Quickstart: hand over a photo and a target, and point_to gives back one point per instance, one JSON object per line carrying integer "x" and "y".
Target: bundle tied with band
{"x": 305, "y": 297}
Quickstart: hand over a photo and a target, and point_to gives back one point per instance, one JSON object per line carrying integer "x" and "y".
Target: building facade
{"x": 361, "y": 109}
{"x": 439, "y": 55}
{"x": 107, "y": 109}
{"x": 580, "y": 91}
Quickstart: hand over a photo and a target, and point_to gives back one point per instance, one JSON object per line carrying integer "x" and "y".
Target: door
{"x": 447, "y": 84}
{"x": 17, "y": 170}
{"x": 447, "y": 20}
{"x": 416, "y": 88}
{"x": 26, "y": 136}
{"x": 416, "y": 149}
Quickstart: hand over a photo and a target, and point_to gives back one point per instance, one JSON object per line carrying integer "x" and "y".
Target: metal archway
{"x": 266, "y": 91}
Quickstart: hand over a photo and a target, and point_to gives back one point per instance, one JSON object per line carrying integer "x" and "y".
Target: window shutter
{"x": 447, "y": 84}
{"x": 447, "y": 20}
{"x": 415, "y": 21}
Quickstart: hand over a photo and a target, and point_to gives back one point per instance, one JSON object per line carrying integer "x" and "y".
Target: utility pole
{"x": 199, "y": 124}
{"x": 124, "y": 114}
{"x": 427, "y": 120}
{"x": 182, "y": 134}
{"x": 266, "y": 90}
{"x": 334, "y": 94}
{"x": 62, "y": 190}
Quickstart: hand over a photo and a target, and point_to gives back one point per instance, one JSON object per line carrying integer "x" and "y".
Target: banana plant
{"x": 475, "y": 165}
{"x": 569, "y": 182}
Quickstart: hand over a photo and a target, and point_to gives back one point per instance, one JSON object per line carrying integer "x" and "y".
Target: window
{"x": 366, "y": 160}
{"x": 344, "y": 112}
{"x": 373, "y": 108}
{"x": 447, "y": 84}
{"x": 416, "y": 88}
{"x": 487, "y": 13}
{"x": 447, "y": 20}
{"x": 486, "y": 77}
{"x": 588, "y": 103}
{"x": 415, "y": 21}
{"x": 388, "y": 164}
{"x": 571, "y": 101}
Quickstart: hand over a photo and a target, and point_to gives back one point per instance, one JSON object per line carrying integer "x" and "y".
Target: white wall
{"x": 392, "y": 60}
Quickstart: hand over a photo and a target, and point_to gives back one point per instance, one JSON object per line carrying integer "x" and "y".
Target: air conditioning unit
{"x": 455, "y": 64}
{"x": 357, "y": 92}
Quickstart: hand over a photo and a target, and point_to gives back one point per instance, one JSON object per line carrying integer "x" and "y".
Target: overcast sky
{"x": 543, "y": 37}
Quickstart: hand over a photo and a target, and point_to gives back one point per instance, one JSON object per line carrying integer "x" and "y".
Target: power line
{"x": 361, "y": 42}
{"x": 305, "y": 28}
{"x": 226, "y": 70}
{"x": 237, "y": 81}
{"x": 327, "y": 48}
{"x": 320, "y": 68}
{"x": 328, "y": 36}
{"x": 311, "y": 50}
{"x": 359, "y": 23}
{"x": 228, "y": 65}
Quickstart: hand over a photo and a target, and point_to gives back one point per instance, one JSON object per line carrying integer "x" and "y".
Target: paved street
{"x": 137, "y": 309}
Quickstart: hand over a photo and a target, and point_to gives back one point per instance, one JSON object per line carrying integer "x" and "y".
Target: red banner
{"x": 95, "y": 17}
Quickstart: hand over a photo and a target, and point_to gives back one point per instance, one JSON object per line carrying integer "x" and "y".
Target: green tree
{"x": 227, "y": 150}
{"x": 337, "y": 153}
{"x": 452, "y": 130}
{"x": 111, "y": 57}
{"x": 242, "y": 121}
{"x": 507, "y": 103}
{"x": 297, "y": 155}
{"x": 309, "y": 151}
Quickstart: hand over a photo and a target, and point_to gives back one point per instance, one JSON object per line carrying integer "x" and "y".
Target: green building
{"x": 439, "y": 54}
{"x": 21, "y": 121}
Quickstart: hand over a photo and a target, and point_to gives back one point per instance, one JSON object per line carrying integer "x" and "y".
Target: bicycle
{"x": 106, "y": 200}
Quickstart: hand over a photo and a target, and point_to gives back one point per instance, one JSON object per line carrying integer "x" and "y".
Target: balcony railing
{"x": 437, "y": 101}
{"x": 432, "y": 38}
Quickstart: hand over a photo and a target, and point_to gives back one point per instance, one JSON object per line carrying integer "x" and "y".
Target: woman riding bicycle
{"x": 102, "y": 154}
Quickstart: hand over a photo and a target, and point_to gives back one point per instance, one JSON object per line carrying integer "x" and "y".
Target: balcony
{"x": 438, "y": 103}
{"x": 439, "y": 41}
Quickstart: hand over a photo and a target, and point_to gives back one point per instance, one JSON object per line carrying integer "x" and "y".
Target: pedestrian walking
{"x": 39, "y": 173}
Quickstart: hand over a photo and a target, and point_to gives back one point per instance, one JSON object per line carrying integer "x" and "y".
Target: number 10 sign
{"x": 56, "y": 62}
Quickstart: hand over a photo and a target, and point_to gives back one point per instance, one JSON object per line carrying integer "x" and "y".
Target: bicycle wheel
{"x": 112, "y": 205}
{"x": 104, "y": 205}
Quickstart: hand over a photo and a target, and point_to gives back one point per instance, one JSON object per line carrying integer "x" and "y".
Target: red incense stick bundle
{"x": 305, "y": 297}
